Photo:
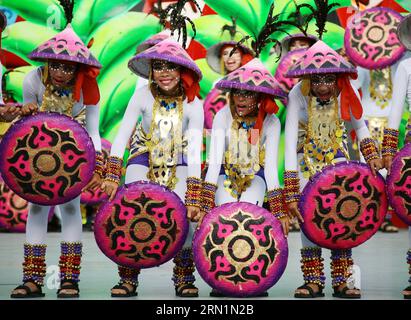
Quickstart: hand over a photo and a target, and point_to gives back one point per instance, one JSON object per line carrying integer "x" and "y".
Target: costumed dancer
{"x": 223, "y": 60}
{"x": 401, "y": 92}
{"x": 162, "y": 35}
{"x": 289, "y": 44}
{"x": 8, "y": 112}
{"x": 169, "y": 101}
{"x": 315, "y": 136}
{"x": 65, "y": 84}
{"x": 375, "y": 82}
{"x": 245, "y": 135}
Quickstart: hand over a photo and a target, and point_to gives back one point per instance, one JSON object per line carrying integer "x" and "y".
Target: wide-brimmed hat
{"x": 168, "y": 50}
{"x": 66, "y": 46}
{"x": 404, "y": 32}
{"x": 214, "y": 53}
{"x": 253, "y": 76}
{"x": 320, "y": 58}
{"x": 285, "y": 42}
{"x": 158, "y": 37}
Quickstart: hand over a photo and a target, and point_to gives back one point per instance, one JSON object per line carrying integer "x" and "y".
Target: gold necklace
{"x": 325, "y": 136}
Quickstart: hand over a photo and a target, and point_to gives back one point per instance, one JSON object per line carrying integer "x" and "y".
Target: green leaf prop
{"x": 122, "y": 34}
{"x": 91, "y": 14}
{"x": 23, "y": 37}
{"x": 14, "y": 81}
{"x": 35, "y": 11}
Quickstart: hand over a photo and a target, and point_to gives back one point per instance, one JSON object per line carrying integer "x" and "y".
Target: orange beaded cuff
{"x": 100, "y": 165}
{"x": 193, "y": 193}
{"x": 276, "y": 202}
{"x": 208, "y": 196}
{"x": 341, "y": 262}
{"x": 369, "y": 149}
{"x": 113, "y": 169}
{"x": 291, "y": 186}
{"x": 34, "y": 265}
{"x": 389, "y": 142}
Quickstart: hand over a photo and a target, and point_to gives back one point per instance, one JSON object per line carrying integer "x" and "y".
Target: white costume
{"x": 141, "y": 104}
{"x": 36, "y": 230}
{"x": 220, "y": 142}
{"x": 296, "y": 131}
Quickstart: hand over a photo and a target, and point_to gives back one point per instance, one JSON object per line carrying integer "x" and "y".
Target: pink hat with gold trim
{"x": 168, "y": 50}
{"x": 158, "y": 37}
{"x": 320, "y": 58}
{"x": 66, "y": 46}
{"x": 253, "y": 76}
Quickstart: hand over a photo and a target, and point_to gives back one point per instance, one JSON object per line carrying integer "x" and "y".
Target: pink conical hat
{"x": 252, "y": 76}
{"x": 169, "y": 50}
{"x": 214, "y": 53}
{"x": 66, "y": 46}
{"x": 320, "y": 58}
{"x": 158, "y": 37}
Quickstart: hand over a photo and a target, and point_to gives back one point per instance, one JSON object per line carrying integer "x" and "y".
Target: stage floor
{"x": 384, "y": 272}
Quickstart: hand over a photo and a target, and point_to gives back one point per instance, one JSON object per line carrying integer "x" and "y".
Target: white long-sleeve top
{"x": 363, "y": 82}
{"x": 220, "y": 140}
{"x": 33, "y": 91}
{"x": 402, "y": 92}
{"x": 297, "y": 111}
{"x": 141, "y": 103}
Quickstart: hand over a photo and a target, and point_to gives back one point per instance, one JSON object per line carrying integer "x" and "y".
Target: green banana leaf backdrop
{"x": 117, "y": 31}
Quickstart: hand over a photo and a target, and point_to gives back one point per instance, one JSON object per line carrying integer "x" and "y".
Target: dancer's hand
{"x": 294, "y": 212}
{"x": 285, "y": 223}
{"x": 9, "y": 112}
{"x": 110, "y": 188}
{"x": 387, "y": 163}
{"x": 94, "y": 183}
{"x": 193, "y": 213}
{"x": 28, "y": 109}
{"x": 200, "y": 220}
{"x": 376, "y": 165}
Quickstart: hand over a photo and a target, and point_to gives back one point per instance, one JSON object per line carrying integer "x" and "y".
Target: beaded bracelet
{"x": 208, "y": 196}
{"x": 100, "y": 165}
{"x": 193, "y": 193}
{"x": 276, "y": 202}
{"x": 113, "y": 169}
{"x": 390, "y": 142}
{"x": 369, "y": 149}
{"x": 291, "y": 186}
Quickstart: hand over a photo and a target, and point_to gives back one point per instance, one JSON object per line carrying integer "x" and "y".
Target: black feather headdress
{"x": 178, "y": 20}
{"x": 68, "y": 7}
{"x": 319, "y": 14}
{"x": 273, "y": 24}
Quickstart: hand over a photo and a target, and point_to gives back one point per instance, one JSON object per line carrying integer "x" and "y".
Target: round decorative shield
{"x": 343, "y": 206}
{"x": 214, "y": 102}
{"x": 95, "y": 197}
{"x": 289, "y": 60}
{"x": 144, "y": 226}
{"x": 13, "y": 210}
{"x": 371, "y": 39}
{"x": 47, "y": 159}
{"x": 399, "y": 184}
{"x": 240, "y": 249}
